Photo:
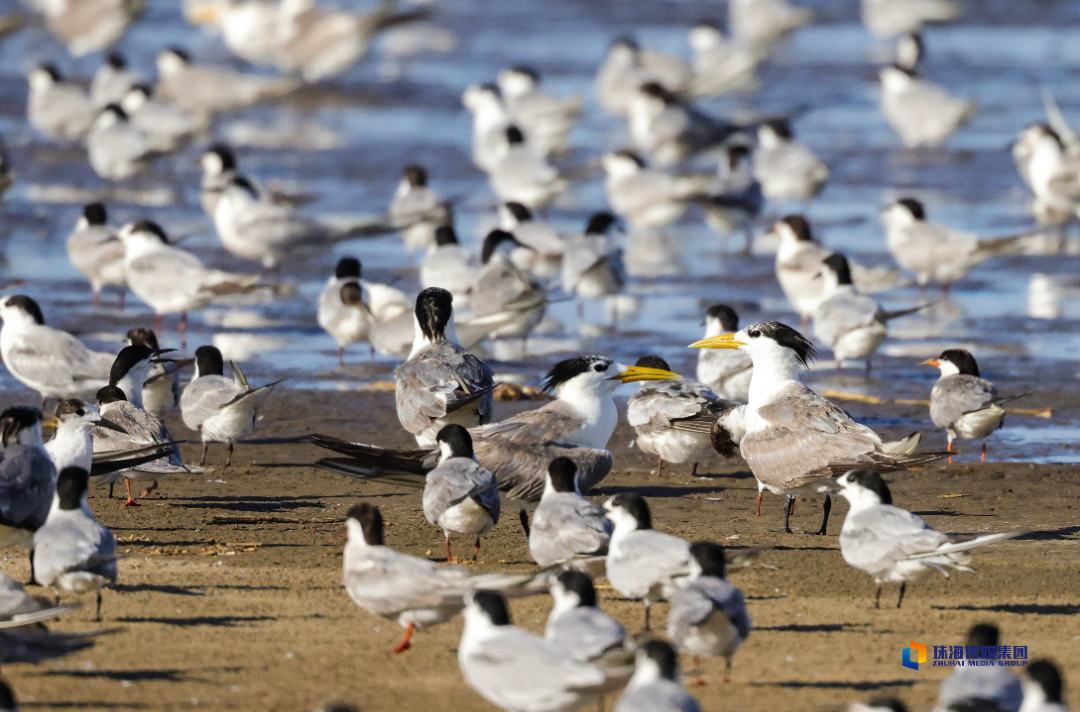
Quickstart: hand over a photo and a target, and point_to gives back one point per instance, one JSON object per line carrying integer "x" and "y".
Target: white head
{"x": 364, "y": 526}
{"x": 629, "y": 512}
{"x": 792, "y": 230}
{"x": 904, "y": 212}
{"x": 656, "y": 661}
{"x": 142, "y": 236}
{"x": 111, "y": 115}
{"x": 485, "y": 611}
{"x": 624, "y": 52}
{"x": 704, "y": 37}
{"x": 217, "y": 160}
{"x": 895, "y": 79}
{"x": 454, "y": 441}
{"x": 954, "y": 361}
{"x": 592, "y": 376}
{"x": 518, "y": 81}
{"x": 778, "y": 351}
{"x": 720, "y": 319}
{"x": 1043, "y": 686}
{"x": 43, "y": 77}
{"x": 909, "y": 51}
{"x": 21, "y": 311}
{"x": 774, "y": 133}
{"x": 172, "y": 61}
{"x": 863, "y": 489}
{"x": 622, "y": 164}
{"x": 572, "y": 589}
{"x": 484, "y": 101}
{"x": 135, "y": 98}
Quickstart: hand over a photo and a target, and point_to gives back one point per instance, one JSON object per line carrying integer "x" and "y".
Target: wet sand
{"x": 253, "y": 616}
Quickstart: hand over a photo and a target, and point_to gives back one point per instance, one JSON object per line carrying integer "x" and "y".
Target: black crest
{"x": 710, "y": 557}
{"x": 445, "y": 235}
{"x": 110, "y": 394}
{"x": 914, "y": 207}
{"x": 182, "y": 54}
{"x": 600, "y": 223}
{"x": 636, "y": 505}
{"x": 416, "y": 175}
{"x": 434, "y": 307}
{"x": 563, "y": 371}
{"x": 71, "y": 486}
{"x": 729, "y": 320}
{"x": 631, "y": 155}
{"x": 785, "y": 336}
{"x": 887, "y": 703}
{"x": 1047, "y": 675}
{"x": 458, "y": 439}
{"x": 126, "y": 360}
{"x": 143, "y": 337}
{"x": 94, "y": 213}
{"x": 653, "y": 362}
{"x": 151, "y": 227}
{"x": 663, "y": 655}
{"x": 983, "y": 634}
{"x": 839, "y": 264}
{"x": 116, "y": 61}
{"x": 781, "y": 128}
{"x": 962, "y": 359}
{"x": 800, "y": 226}
{"x": 562, "y": 471}
{"x": 579, "y": 583}
{"x": 528, "y": 71}
{"x": 492, "y": 242}
{"x": 493, "y": 605}
{"x": 873, "y": 482}
{"x": 347, "y": 268}
{"x": 225, "y": 155}
{"x": 371, "y": 522}
{"x": 209, "y": 362}
{"x": 519, "y": 211}
{"x": 28, "y": 305}
{"x": 514, "y": 136}
{"x": 16, "y": 419}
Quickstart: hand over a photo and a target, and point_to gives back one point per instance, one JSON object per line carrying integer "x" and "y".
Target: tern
{"x": 886, "y": 18}
{"x": 417, "y": 210}
{"x": 170, "y": 280}
{"x": 577, "y": 425}
{"x": 578, "y": 626}
{"x": 221, "y": 409}
{"x": 161, "y": 389}
{"x": 994, "y": 684}
{"x": 168, "y": 126}
{"x": 707, "y": 617}
{"x": 251, "y": 29}
{"x": 342, "y": 312}
{"x": 894, "y": 545}
{"x": 542, "y": 247}
{"x": 566, "y": 528}
{"x": 491, "y": 120}
{"x": 449, "y": 265}
{"x": 647, "y": 197}
{"x": 659, "y": 414}
{"x": 966, "y": 405}
{"x": 627, "y": 66}
{"x": 213, "y": 89}
{"x": 58, "y": 108}
{"x": 417, "y": 593}
{"x": 764, "y": 22}
{"x": 734, "y": 198}
{"x": 27, "y": 475}
{"x": 592, "y": 264}
{"x": 503, "y": 287}
{"x": 18, "y": 608}
{"x": 786, "y": 169}
{"x": 726, "y": 372}
{"x": 921, "y": 112}
{"x": 1043, "y": 687}
{"x": 936, "y": 253}
{"x": 72, "y": 444}
{"x": 517, "y": 670}
{"x": 52, "y": 362}
{"x": 91, "y": 25}
{"x": 655, "y": 686}
{"x": 112, "y": 80}
{"x": 95, "y": 250}
{"x": 851, "y": 324}
{"x": 118, "y": 149}
{"x": 441, "y": 383}
{"x": 1052, "y": 171}
{"x": 722, "y": 64}
{"x": 909, "y": 51}
{"x": 522, "y": 176}
{"x": 668, "y": 129}
{"x": 72, "y": 552}
{"x": 545, "y": 118}
{"x": 796, "y": 440}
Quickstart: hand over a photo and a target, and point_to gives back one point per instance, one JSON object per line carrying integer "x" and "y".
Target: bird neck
{"x": 861, "y": 500}
{"x": 421, "y": 341}
{"x": 596, "y": 409}
{"x": 646, "y": 672}
{"x": 132, "y": 386}
{"x": 774, "y": 370}
{"x": 564, "y": 604}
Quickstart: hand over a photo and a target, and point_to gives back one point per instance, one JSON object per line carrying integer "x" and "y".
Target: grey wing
{"x": 26, "y": 486}
{"x": 651, "y": 556}
{"x": 553, "y": 422}
{"x": 727, "y": 598}
{"x": 839, "y": 314}
{"x": 454, "y": 480}
{"x": 140, "y": 428}
{"x": 203, "y": 398}
{"x": 389, "y": 583}
{"x": 279, "y": 226}
{"x": 499, "y": 284}
{"x": 982, "y": 683}
{"x": 565, "y": 526}
{"x": 440, "y": 380}
{"x": 527, "y": 667}
{"x": 661, "y": 696}
{"x": 884, "y": 535}
{"x": 662, "y": 403}
{"x": 955, "y": 395}
{"x": 806, "y": 436}
{"x": 586, "y": 633}
{"x": 55, "y": 359}
{"x": 521, "y": 466}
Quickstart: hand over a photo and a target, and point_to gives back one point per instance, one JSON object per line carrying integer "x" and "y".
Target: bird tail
{"x": 23, "y": 619}
{"x": 1024, "y": 243}
{"x": 903, "y": 446}
{"x": 1057, "y": 120}
{"x": 387, "y": 16}
{"x": 370, "y": 462}
{"x": 963, "y": 543}
{"x": 884, "y": 316}
{"x": 1008, "y": 399}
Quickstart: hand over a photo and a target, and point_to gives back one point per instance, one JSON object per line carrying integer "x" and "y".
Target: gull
{"x": 450, "y": 266}
{"x": 117, "y": 148}
{"x": 522, "y": 176}
{"x": 726, "y": 372}
{"x": 921, "y": 112}
{"x": 894, "y": 545}
{"x": 1042, "y": 683}
{"x": 566, "y": 528}
{"x": 213, "y": 89}
{"x": 654, "y": 686}
{"x": 936, "y": 253}
{"x": 221, "y": 409}
{"x": 734, "y": 198}
{"x": 786, "y": 169}
{"x": 341, "y": 311}
{"x": 168, "y": 126}
{"x": 542, "y": 246}
{"x": 642, "y": 562}
{"x": 764, "y": 22}
{"x": 417, "y": 593}
{"x": 722, "y": 64}
{"x": 796, "y": 440}
{"x": 170, "y": 280}
{"x": 18, "y": 608}
{"x": 577, "y": 425}
{"x": 112, "y": 81}
{"x": 578, "y": 626}
{"x": 707, "y": 616}
{"x": 965, "y": 404}
{"x": 57, "y": 108}
{"x": 417, "y": 211}
{"x": 990, "y": 683}
{"x": 85, "y": 26}
{"x": 545, "y": 118}
{"x": 460, "y": 494}
{"x": 72, "y": 552}
{"x": 592, "y": 264}
{"x": 440, "y": 383}
{"x": 853, "y": 325}
{"x": 501, "y": 286}
{"x": 27, "y": 475}
{"x": 161, "y": 389}
{"x": 669, "y": 130}
{"x": 517, "y": 670}
{"x": 886, "y": 18}
{"x": 52, "y": 362}
{"x": 647, "y": 197}
{"x": 95, "y": 250}
{"x": 256, "y": 229}
{"x": 660, "y": 414}
{"x": 627, "y": 66}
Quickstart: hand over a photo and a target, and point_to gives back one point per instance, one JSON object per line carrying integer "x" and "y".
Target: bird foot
{"x": 402, "y": 647}
{"x": 131, "y": 502}
{"x": 698, "y": 681}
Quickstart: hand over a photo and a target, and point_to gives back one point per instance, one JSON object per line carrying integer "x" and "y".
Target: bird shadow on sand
{"x": 657, "y": 490}
{"x": 127, "y": 675}
{"x": 1064, "y": 533}
{"x": 820, "y": 628}
{"x": 245, "y": 504}
{"x": 215, "y": 621}
{"x": 81, "y": 705}
{"x": 1042, "y": 609}
{"x": 156, "y": 588}
{"x": 836, "y": 685}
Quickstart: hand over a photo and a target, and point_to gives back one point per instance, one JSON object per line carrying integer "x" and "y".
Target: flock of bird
{"x": 747, "y": 399}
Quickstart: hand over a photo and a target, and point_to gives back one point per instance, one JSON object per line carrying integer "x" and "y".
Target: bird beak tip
{"x": 727, "y": 341}
{"x": 930, "y": 362}
{"x": 641, "y": 373}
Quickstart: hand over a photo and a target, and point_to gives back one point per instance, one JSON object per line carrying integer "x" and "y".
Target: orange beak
{"x": 930, "y": 362}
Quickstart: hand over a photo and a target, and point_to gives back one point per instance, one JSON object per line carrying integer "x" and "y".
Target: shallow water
{"x": 1002, "y": 54}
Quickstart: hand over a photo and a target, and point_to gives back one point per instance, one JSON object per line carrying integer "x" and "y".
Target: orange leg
{"x": 949, "y": 449}
{"x": 791, "y": 507}
{"x": 759, "y": 503}
{"x": 449, "y": 559}
{"x": 983, "y": 454}
{"x": 130, "y": 500}
{"x": 149, "y": 490}
{"x": 660, "y": 468}
{"x": 476, "y": 549}
{"x": 405, "y": 644}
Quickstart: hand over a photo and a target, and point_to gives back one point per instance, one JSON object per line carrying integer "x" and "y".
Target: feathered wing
{"x": 26, "y": 486}
{"x": 440, "y": 380}
{"x": 565, "y": 526}
{"x": 455, "y": 480}
{"x": 957, "y": 395}
{"x": 140, "y": 429}
{"x": 58, "y": 361}
{"x": 203, "y": 398}
{"x": 74, "y": 544}
{"x": 663, "y": 404}
{"x": 647, "y": 558}
{"x": 875, "y": 540}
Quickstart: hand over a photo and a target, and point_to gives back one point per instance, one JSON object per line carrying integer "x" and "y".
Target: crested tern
{"x": 449, "y": 265}
{"x": 886, "y": 18}
{"x": 214, "y": 89}
{"x": 95, "y": 250}
{"x": 909, "y": 51}
{"x": 341, "y": 311}
{"x": 659, "y": 412}
{"x": 764, "y": 22}
{"x": 517, "y": 670}
{"x": 921, "y": 112}
{"x": 90, "y": 25}
{"x": 440, "y": 383}
{"x": 707, "y": 616}
{"x": 796, "y": 440}
{"x": 894, "y": 545}
{"x": 1043, "y": 687}
{"x": 655, "y": 686}
{"x": 648, "y": 197}
{"x": 1051, "y": 171}
{"x": 522, "y": 176}
{"x": 220, "y": 409}
{"x": 416, "y": 593}
{"x": 118, "y": 149}
{"x": 786, "y": 169}
{"x": 627, "y": 66}
{"x": 417, "y": 211}
{"x": 490, "y": 121}
{"x": 112, "y": 80}
{"x": 578, "y": 626}
{"x": 460, "y": 494}
{"x": 58, "y": 108}
{"x": 27, "y": 475}
{"x": 546, "y": 119}
{"x": 168, "y": 126}
{"x": 502, "y": 286}
{"x": 992, "y": 683}
{"x": 669, "y": 129}
{"x": 52, "y": 362}
{"x": 72, "y": 552}
{"x": 727, "y": 372}
{"x": 161, "y": 389}
{"x": 566, "y": 527}
{"x": 71, "y": 445}
{"x": 592, "y": 263}
{"x": 542, "y": 247}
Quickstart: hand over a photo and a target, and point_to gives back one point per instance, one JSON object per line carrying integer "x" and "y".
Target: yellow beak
{"x": 206, "y": 13}
{"x": 930, "y": 362}
{"x": 727, "y": 341}
{"x": 50, "y": 421}
{"x": 642, "y": 373}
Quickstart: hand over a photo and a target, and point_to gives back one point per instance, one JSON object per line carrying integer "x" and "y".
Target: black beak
{"x": 110, "y": 425}
{"x": 155, "y": 357}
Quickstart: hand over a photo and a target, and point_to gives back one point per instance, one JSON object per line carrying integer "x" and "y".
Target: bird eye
{"x": 79, "y": 412}
{"x": 600, "y": 367}
{"x": 753, "y": 334}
